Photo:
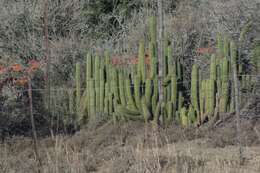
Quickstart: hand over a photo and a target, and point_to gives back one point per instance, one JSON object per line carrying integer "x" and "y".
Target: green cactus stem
{"x": 152, "y": 50}
{"x": 195, "y": 88}
{"x": 102, "y": 90}
{"x": 137, "y": 90}
{"x": 122, "y": 88}
{"x": 192, "y": 115}
{"x": 152, "y": 29}
{"x": 141, "y": 59}
{"x": 148, "y": 90}
{"x": 184, "y": 117}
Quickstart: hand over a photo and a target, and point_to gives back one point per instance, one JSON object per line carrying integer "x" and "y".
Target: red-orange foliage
{"x": 2, "y": 70}
{"x": 16, "y": 68}
{"x": 21, "y": 81}
{"x": 34, "y": 66}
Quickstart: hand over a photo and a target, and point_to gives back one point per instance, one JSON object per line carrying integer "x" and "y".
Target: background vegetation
{"x": 77, "y": 26}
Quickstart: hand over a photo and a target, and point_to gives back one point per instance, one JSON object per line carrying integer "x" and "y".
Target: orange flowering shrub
{"x": 34, "y": 66}
{"x": 16, "y": 68}
{"x": 21, "y": 81}
{"x": 2, "y": 70}
{"x": 18, "y": 81}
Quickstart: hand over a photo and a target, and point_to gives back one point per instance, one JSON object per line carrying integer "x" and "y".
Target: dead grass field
{"x": 136, "y": 148}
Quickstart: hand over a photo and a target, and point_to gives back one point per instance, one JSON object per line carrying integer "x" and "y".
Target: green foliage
{"x": 93, "y": 13}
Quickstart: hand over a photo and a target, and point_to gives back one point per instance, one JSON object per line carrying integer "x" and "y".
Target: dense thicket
{"x": 79, "y": 26}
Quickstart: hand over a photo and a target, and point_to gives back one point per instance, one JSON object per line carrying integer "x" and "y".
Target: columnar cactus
{"x": 153, "y": 65}
{"x": 195, "y": 88}
{"x": 102, "y": 89}
{"x": 152, "y": 29}
{"x": 130, "y": 100}
{"x": 184, "y": 117}
{"x": 122, "y": 88}
{"x": 226, "y": 44}
{"x": 174, "y": 85}
{"x": 148, "y": 90}
{"x": 137, "y": 90}
{"x": 224, "y": 97}
{"x": 192, "y": 115}
{"x": 203, "y": 92}
{"x": 141, "y": 60}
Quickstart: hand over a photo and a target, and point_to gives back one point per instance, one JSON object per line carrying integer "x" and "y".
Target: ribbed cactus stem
{"x": 195, "y": 88}
{"x": 137, "y": 90}
{"x": 148, "y": 90}
{"x": 184, "y": 117}
{"x": 89, "y": 67}
{"x": 145, "y": 110}
{"x": 213, "y": 68}
{"x": 153, "y": 65}
{"x": 212, "y": 96}
{"x": 152, "y": 29}
{"x": 92, "y": 99}
{"x": 226, "y": 47}
{"x": 122, "y": 88}
{"x": 169, "y": 109}
{"x": 202, "y": 99}
{"x": 174, "y": 85}
{"x": 224, "y": 97}
{"x": 130, "y": 100}
{"x": 97, "y": 82}
{"x": 141, "y": 61}
{"x": 192, "y": 115}
{"x": 102, "y": 89}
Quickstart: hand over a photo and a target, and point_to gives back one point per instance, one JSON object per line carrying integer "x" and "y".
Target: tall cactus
{"x": 97, "y": 82}
{"x": 102, "y": 89}
{"x": 141, "y": 60}
{"x": 148, "y": 90}
{"x": 152, "y": 29}
{"x": 153, "y": 65}
{"x": 203, "y": 93}
{"x": 184, "y": 117}
{"x": 122, "y": 88}
{"x": 212, "y": 85}
{"x": 137, "y": 92}
{"x": 174, "y": 85}
{"x": 195, "y": 88}
{"x": 224, "y": 97}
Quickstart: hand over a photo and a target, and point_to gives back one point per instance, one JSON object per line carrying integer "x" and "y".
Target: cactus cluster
{"x": 132, "y": 94}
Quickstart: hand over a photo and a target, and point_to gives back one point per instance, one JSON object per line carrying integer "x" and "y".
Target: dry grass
{"x": 130, "y": 148}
